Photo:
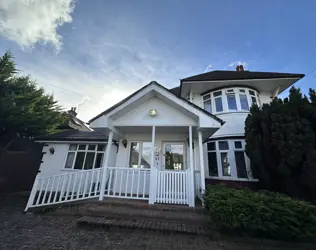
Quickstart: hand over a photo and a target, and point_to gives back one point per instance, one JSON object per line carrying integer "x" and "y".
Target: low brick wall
{"x": 233, "y": 184}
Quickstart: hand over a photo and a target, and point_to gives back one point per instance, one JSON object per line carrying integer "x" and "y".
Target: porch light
{"x": 124, "y": 142}
{"x": 52, "y": 150}
{"x": 153, "y": 112}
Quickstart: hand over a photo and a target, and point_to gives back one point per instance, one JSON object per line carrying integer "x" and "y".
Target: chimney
{"x": 72, "y": 112}
{"x": 240, "y": 68}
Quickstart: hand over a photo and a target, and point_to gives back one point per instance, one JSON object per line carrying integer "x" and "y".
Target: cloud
{"x": 28, "y": 22}
{"x": 208, "y": 68}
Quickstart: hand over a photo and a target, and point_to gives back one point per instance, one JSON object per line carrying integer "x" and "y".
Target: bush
{"x": 261, "y": 214}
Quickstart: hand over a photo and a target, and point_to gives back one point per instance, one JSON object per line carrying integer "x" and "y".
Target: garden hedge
{"x": 260, "y": 214}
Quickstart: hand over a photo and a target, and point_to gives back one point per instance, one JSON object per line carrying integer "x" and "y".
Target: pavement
{"x": 42, "y": 231}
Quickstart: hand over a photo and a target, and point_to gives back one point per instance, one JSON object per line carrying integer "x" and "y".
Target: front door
{"x": 174, "y": 156}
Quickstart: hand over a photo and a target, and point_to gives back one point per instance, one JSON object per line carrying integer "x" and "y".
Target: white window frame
{"x": 86, "y": 150}
{"x": 231, "y": 91}
{"x": 139, "y": 155}
{"x": 232, "y": 161}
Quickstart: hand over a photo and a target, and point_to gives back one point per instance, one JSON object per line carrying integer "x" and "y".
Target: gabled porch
{"x": 159, "y": 158}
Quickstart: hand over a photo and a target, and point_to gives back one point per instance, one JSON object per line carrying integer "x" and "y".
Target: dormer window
{"x": 230, "y": 100}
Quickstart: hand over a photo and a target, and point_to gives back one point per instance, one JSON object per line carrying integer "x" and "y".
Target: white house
{"x": 158, "y": 144}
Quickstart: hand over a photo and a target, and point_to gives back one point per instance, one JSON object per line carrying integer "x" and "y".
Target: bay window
{"x": 140, "y": 154}
{"x": 230, "y": 100}
{"x": 85, "y": 156}
{"x": 227, "y": 160}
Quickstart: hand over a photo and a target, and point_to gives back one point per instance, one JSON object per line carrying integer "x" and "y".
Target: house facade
{"x": 158, "y": 144}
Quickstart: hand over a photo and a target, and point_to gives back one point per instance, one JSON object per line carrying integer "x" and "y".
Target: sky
{"x": 90, "y": 54}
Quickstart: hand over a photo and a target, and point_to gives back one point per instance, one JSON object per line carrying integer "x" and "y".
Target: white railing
{"x": 197, "y": 184}
{"x": 66, "y": 187}
{"x": 172, "y": 187}
{"x": 131, "y": 183}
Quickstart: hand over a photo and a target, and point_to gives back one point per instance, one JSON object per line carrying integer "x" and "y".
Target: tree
{"x": 280, "y": 142}
{"x": 25, "y": 110}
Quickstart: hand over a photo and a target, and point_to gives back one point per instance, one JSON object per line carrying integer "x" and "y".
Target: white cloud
{"x": 208, "y": 68}
{"x": 28, "y": 22}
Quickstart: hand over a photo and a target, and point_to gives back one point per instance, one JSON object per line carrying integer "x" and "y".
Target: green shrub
{"x": 261, "y": 214}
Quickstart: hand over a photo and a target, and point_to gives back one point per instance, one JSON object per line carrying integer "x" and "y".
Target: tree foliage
{"x": 25, "y": 109}
{"x": 280, "y": 142}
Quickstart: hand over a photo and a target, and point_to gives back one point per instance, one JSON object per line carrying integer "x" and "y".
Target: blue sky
{"x": 91, "y": 54}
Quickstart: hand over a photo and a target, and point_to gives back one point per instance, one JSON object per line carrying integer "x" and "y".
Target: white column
{"x": 105, "y": 165}
{"x": 191, "y": 178}
{"x": 153, "y": 170}
{"x": 201, "y": 162}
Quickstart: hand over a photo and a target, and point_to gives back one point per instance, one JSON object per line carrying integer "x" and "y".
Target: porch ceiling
{"x": 148, "y": 129}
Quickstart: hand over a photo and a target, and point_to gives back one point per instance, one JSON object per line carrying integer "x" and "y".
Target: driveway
{"x": 27, "y": 231}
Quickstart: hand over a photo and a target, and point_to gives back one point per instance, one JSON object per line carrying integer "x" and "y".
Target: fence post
{"x": 32, "y": 194}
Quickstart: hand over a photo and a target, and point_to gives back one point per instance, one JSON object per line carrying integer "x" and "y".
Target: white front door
{"x": 174, "y": 157}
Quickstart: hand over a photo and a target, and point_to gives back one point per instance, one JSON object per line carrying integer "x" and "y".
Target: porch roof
{"x": 160, "y": 86}
{"x": 74, "y": 135}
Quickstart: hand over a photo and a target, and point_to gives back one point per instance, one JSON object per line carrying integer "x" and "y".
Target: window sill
{"x": 75, "y": 170}
{"x": 232, "y": 179}
{"x": 232, "y": 112}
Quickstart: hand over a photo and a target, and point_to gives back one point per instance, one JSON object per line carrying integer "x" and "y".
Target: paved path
{"x": 25, "y": 231}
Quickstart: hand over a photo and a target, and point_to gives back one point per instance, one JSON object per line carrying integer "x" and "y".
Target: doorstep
{"x": 141, "y": 224}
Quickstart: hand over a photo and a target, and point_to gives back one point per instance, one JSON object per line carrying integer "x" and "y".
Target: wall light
{"x": 153, "y": 112}
{"x": 52, "y": 150}
{"x": 124, "y": 142}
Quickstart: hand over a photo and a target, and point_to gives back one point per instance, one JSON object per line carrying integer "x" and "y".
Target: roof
{"x": 219, "y": 75}
{"x": 172, "y": 91}
{"x": 73, "y": 122}
{"x": 175, "y": 91}
{"x": 74, "y": 135}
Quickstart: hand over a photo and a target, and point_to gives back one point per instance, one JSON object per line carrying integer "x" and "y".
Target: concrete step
{"x": 142, "y": 224}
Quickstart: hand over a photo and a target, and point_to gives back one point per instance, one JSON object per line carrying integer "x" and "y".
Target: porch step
{"x": 144, "y": 213}
{"x": 142, "y": 224}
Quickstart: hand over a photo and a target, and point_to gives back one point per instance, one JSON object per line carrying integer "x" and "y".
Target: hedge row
{"x": 261, "y": 214}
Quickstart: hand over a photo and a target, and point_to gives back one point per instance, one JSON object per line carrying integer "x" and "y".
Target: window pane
{"x": 91, "y": 147}
{"x": 225, "y": 164}
{"x": 89, "y": 160}
{"x": 146, "y": 155}
{"x": 174, "y": 156}
{"x": 212, "y": 164}
{"x": 223, "y": 145}
{"x": 101, "y": 147}
{"x": 72, "y": 146}
{"x": 240, "y": 164}
{"x": 251, "y": 92}
{"x": 208, "y": 106}
{"x": 231, "y": 99}
{"x": 70, "y": 160}
{"x": 218, "y": 93}
{"x": 254, "y": 100}
{"x": 98, "y": 160}
{"x": 243, "y": 102}
{"x": 206, "y": 97}
{"x": 242, "y": 91}
{"x": 79, "y": 160}
{"x": 82, "y": 147}
{"x": 219, "y": 104}
{"x": 211, "y": 146}
{"x": 238, "y": 144}
{"x": 134, "y": 155}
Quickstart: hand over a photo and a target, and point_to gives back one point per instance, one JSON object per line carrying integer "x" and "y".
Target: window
{"x": 253, "y": 97}
{"x": 238, "y": 99}
{"x": 227, "y": 159}
{"x": 231, "y": 99}
{"x": 218, "y": 101}
{"x": 85, "y": 156}
{"x": 212, "y": 159}
{"x": 140, "y": 154}
{"x": 207, "y": 103}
